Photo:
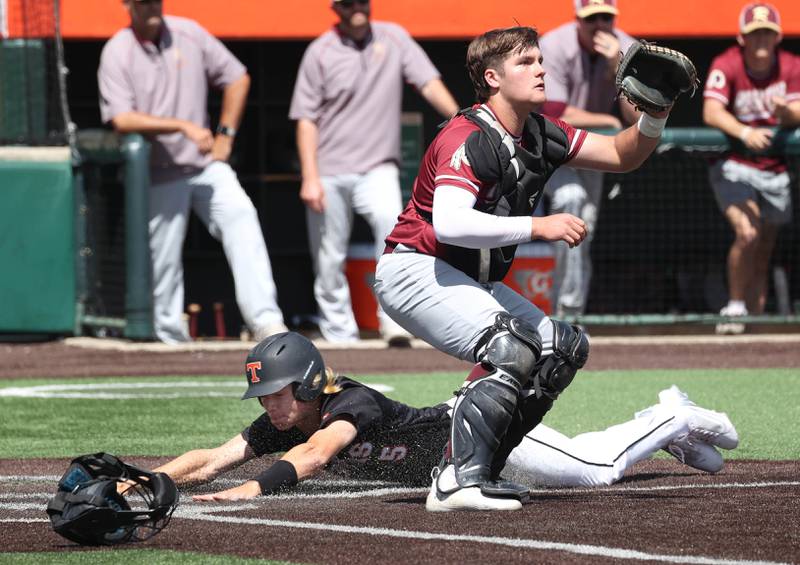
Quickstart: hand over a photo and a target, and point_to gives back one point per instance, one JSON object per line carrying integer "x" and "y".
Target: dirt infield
{"x": 63, "y": 359}
{"x": 661, "y": 511}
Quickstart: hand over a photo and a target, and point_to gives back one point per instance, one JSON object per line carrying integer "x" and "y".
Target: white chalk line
{"x": 221, "y": 481}
{"x": 188, "y": 389}
{"x": 656, "y": 488}
{"x": 196, "y": 511}
{"x": 384, "y": 489}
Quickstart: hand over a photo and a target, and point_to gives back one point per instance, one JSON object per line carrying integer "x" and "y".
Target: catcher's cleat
{"x": 695, "y": 453}
{"x": 447, "y": 496}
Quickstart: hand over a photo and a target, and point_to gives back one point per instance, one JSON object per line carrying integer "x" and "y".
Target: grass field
{"x": 158, "y": 416}
{"x": 169, "y": 415}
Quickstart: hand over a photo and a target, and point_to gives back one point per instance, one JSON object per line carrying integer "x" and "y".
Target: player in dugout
{"x": 752, "y": 88}
{"x": 319, "y": 421}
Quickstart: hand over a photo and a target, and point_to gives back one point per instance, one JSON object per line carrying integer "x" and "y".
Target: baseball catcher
{"x": 652, "y": 77}
{"x": 103, "y": 501}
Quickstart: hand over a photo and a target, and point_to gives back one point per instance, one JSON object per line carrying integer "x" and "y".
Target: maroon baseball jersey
{"x": 749, "y": 99}
{"x": 445, "y": 163}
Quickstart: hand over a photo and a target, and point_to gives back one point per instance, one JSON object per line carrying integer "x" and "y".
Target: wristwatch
{"x": 226, "y": 130}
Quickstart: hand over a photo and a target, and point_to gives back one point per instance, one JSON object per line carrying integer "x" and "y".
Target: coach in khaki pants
{"x": 347, "y": 102}
{"x": 153, "y": 80}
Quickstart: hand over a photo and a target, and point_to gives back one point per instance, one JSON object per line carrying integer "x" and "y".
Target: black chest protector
{"x": 517, "y": 174}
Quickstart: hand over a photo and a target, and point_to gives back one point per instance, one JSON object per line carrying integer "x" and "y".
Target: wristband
{"x": 650, "y": 126}
{"x": 280, "y": 475}
{"x": 745, "y": 132}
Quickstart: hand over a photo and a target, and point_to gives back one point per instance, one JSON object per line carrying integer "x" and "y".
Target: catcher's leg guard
{"x": 529, "y": 414}
{"x": 552, "y": 374}
{"x": 486, "y": 404}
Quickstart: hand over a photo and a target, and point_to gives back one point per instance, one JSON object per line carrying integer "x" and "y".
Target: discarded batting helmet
{"x": 284, "y": 359}
{"x": 103, "y": 501}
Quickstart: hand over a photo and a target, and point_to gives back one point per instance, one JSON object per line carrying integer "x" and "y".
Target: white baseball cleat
{"x": 446, "y": 496}
{"x": 707, "y": 426}
{"x": 731, "y": 327}
{"x": 695, "y": 453}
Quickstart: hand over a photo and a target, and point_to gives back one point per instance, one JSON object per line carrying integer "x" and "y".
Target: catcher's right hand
{"x": 652, "y": 77}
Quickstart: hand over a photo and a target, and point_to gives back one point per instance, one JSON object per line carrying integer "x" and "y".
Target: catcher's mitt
{"x": 652, "y": 77}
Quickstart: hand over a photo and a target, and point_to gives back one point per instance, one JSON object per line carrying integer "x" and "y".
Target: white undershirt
{"x": 456, "y": 222}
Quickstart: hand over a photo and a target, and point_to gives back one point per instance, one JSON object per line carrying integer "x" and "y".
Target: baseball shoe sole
{"x": 470, "y": 498}
{"x": 697, "y": 454}
{"x": 463, "y": 498}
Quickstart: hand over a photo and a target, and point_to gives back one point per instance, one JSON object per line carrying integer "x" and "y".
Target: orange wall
{"x": 434, "y": 19}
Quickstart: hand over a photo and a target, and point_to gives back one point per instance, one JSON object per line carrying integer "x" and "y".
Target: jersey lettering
{"x": 396, "y": 453}
{"x": 757, "y": 103}
{"x": 360, "y": 450}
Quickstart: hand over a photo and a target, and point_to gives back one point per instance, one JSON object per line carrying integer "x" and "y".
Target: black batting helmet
{"x": 90, "y": 510}
{"x": 284, "y": 359}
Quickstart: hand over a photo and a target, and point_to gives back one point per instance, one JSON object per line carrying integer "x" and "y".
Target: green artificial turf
{"x": 762, "y": 403}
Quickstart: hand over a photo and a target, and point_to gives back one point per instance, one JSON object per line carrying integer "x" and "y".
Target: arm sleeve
{"x": 308, "y": 88}
{"x": 456, "y": 222}
{"x": 116, "y": 92}
{"x": 222, "y": 68}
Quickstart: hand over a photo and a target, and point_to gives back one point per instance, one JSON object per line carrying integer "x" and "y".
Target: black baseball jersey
{"x": 394, "y": 441}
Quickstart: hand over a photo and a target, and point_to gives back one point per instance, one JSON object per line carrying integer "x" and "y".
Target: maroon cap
{"x": 586, "y": 8}
{"x": 759, "y": 16}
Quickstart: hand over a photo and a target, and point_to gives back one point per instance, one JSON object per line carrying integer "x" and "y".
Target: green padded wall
{"x": 37, "y": 243}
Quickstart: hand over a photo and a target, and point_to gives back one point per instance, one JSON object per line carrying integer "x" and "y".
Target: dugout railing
{"x": 659, "y": 249}
{"x": 114, "y": 288}
{"x": 660, "y": 245}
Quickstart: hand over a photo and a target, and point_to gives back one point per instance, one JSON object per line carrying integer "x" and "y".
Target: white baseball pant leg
{"x": 441, "y": 305}
{"x": 546, "y": 457}
{"x": 328, "y": 237}
{"x": 224, "y": 207}
{"x": 577, "y": 192}
{"x": 168, "y": 204}
{"x": 376, "y": 196}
